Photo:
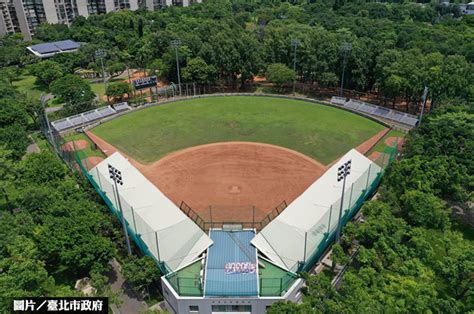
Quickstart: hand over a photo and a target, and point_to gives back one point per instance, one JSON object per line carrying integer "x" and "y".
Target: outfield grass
{"x": 318, "y": 131}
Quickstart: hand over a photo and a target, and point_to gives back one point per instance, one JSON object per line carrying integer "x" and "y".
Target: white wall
{"x": 82, "y": 8}
{"x": 180, "y": 305}
{"x": 50, "y": 11}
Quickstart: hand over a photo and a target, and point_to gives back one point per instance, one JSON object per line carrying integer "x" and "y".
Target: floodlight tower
{"x": 116, "y": 176}
{"x": 345, "y": 47}
{"x": 101, "y": 54}
{"x": 295, "y": 43}
{"x": 175, "y": 44}
{"x": 342, "y": 172}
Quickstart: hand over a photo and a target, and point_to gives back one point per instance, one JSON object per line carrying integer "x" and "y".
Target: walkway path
{"x": 131, "y": 302}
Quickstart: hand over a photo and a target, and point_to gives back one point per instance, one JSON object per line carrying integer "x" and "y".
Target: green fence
{"x": 270, "y": 287}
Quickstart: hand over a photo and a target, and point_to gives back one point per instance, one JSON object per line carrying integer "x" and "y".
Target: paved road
{"x": 132, "y": 304}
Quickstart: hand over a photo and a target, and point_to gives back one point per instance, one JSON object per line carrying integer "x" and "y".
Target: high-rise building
{"x": 25, "y": 15}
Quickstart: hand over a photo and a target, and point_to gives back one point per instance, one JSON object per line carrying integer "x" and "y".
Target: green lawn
{"x": 318, "y": 131}
{"x": 27, "y": 84}
{"x": 98, "y": 89}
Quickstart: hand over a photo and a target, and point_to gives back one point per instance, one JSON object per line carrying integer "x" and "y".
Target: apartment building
{"x": 25, "y": 15}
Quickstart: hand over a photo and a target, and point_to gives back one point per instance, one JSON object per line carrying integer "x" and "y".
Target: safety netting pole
{"x": 329, "y": 224}
{"x": 157, "y": 247}
{"x": 133, "y": 218}
{"x": 368, "y": 176}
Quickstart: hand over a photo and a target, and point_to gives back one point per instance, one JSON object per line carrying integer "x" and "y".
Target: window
{"x": 193, "y": 309}
{"x": 232, "y": 308}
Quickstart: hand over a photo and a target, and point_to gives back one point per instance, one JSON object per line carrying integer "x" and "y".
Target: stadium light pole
{"x": 294, "y": 43}
{"x": 116, "y": 176}
{"x": 175, "y": 44}
{"x": 342, "y": 172}
{"x": 101, "y": 54}
{"x": 345, "y": 47}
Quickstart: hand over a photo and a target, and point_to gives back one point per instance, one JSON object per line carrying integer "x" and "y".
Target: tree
{"x": 197, "y": 70}
{"x": 75, "y": 92}
{"x": 47, "y": 71}
{"x": 117, "y": 90}
{"x": 424, "y": 209}
{"x": 116, "y": 68}
{"x": 14, "y": 137}
{"x": 280, "y": 74}
{"x": 9, "y": 73}
{"x": 141, "y": 272}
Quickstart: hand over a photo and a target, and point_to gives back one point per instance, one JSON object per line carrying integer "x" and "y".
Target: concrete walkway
{"x": 131, "y": 302}
{"x": 33, "y": 147}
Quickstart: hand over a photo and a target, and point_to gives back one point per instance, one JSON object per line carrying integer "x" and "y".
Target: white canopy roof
{"x": 168, "y": 233}
{"x": 307, "y": 218}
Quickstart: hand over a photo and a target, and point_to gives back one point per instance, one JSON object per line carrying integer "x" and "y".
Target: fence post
{"x": 157, "y": 247}
{"x": 305, "y": 240}
{"x": 253, "y": 216}
{"x": 329, "y": 224}
{"x": 210, "y": 215}
{"x": 368, "y": 176}
{"x": 383, "y": 159}
{"x": 350, "y": 197}
{"x": 115, "y": 198}
{"x": 133, "y": 217}
{"x": 281, "y": 286}
{"x": 98, "y": 178}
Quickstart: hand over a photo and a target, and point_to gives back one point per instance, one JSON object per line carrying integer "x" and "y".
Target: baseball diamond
{"x": 235, "y": 158}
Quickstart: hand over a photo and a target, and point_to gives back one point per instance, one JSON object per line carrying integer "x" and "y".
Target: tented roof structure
{"x": 45, "y": 50}
{"x": 169, "y": 235}
{"x": 298, "y": 231}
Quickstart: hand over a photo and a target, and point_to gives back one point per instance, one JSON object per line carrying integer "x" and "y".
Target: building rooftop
{"x": 271, "y": 279}
{"x": 46, "y": 50}
{"x": 231, "y": 266}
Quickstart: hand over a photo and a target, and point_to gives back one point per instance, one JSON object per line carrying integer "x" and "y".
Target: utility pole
{"x": 295, "y": 43}
{"x": 424, "y": 98}
{"x": 175, "y": 44}
{"x": 346, "y": 47}
{"x": 116, "y": 176}
{"x": 342, "y": 172}
{"x": 101, "y": 54}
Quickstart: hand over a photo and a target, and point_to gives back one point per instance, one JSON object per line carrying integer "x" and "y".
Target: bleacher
{"x": 83, "y": 118}
{"x": 385, "y": 113}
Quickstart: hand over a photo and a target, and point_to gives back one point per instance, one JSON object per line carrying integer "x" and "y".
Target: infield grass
{"x": 321, "y": 132}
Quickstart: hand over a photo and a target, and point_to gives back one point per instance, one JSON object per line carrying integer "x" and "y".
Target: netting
{"x": 276, "y": 286}
{"x": 297, "y": 246}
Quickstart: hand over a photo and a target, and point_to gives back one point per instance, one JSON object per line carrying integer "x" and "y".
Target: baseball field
{"x": 234, "y": 154}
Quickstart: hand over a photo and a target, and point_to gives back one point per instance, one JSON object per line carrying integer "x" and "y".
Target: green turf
{"x": 318, "y": 131}
{"x": 27, "y": 84}
{"x": 98, "y": 89}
